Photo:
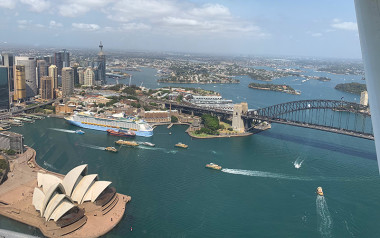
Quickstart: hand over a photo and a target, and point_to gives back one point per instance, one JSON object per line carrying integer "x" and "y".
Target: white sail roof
{"x": 54, "y": 189}
{"x": 73, "y": 177}
{"x": 46, "y": 181}
{"x": 96, "y": 189}
{"x": 62, "y": 208}
{"x": 38, "y": 198}
{"x": 83, "y": 186}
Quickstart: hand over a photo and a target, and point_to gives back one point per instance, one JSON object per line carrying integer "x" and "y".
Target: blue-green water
{"x": 260, "y": 192}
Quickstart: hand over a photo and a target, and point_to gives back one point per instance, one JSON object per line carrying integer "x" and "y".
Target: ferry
{"x": 319, "y": 191}
{"x": 111, "y": 149}
{"x": 125, "y": 142}
{"x": 115, "y": 122}
{"x": 181, "y": 145}
{"x": 213, "y": 166}
{"x": 148, "y": 144}
{"x": 121, "y": 133}
{"x": 80, "y": 132}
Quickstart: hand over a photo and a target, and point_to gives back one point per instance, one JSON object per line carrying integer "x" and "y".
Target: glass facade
{"x": 4, "y": 88}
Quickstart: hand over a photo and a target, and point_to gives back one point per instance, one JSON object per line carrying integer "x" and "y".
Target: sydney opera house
{"x": 62, "y": 200}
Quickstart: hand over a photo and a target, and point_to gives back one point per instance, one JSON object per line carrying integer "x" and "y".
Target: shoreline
{"x": 16, "y": 195}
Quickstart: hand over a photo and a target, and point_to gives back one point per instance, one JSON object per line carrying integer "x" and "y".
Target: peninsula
{"x": 355, "y": 88}
{"x": 274, "y": 87}
{"x": 51, "y": 210}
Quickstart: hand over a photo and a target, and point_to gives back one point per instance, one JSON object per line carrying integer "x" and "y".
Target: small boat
{"x": 111, "y": 149}
{"x": 213, "y": 166}
{"x": 121, "y": 133}
{"x": 80, "y": 132}
{"x": 181, "y": 145}
{"x": 319, "y": 191}
{"x": 148, "y": 144}
{"x": 125, "y": 142}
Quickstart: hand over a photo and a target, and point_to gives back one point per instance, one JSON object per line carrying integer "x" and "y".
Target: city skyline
{"x": 296, "y": 28}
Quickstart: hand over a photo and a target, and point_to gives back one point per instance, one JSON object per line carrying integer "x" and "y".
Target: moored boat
{"x": 181, "y": 145}
{"x": 213, "y": 166}
{"x": 121, "y": 133}
{"x": 80, "y": 132}
{"x": 125, "y": 142}
{"x": 319, "y": 191}
{"x": 111, "y": 149}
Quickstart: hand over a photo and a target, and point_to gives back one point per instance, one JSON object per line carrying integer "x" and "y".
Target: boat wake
{"x": 49, "y": 165}
{"x": 298, "y": 163}
{"x": 324, "y": 217}
{"x": 144, "y": 147}
{"x": 264, "y": 174}
{"x": 63, "y": 130}
{"x": 93, "y": 147}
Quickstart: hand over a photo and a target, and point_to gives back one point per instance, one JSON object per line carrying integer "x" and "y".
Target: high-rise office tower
{"x": 49, "y": 59}
{"x": 76, "y": 76}
{"x": 47, "y": 87}
{"x": 41, "y": 71}
{"x": 89, "y": 77}
{"x": 101, "y": 64}
{"x": 30, "y": 74}
{"x": 81, "y": 75}
{"x": 67, "y": 81}
{"x": 61, "y": 60}
{"x": 53, "y": 72}
{"x": 4, "y": 88}
{"x": 7, "y": 60}
{"x": 20, "y": 83}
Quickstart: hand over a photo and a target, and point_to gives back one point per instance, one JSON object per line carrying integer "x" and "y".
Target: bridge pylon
{"x": 237, "y": 122}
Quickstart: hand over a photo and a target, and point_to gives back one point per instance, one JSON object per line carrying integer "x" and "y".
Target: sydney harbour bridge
{"x": 335, "y": 116}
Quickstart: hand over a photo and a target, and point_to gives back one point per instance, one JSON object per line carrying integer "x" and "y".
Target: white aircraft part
{"x": 368, "y": 17}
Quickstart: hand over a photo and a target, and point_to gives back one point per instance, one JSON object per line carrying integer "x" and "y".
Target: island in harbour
{"x": 275, "y": 87}
{"x": 355, "y": 88}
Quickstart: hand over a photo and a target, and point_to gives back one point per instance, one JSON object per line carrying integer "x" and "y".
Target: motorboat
{"x": 111, "y": 149}
{"x": 213, "y": 166}
{"x": 80, "y": 132}
{"x": 181, "y": 145}
{"x": 319, "y": 191}
{"x": 148, "y": 144}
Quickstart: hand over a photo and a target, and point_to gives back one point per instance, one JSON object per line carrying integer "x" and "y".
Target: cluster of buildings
{"x": 25, "y": 78}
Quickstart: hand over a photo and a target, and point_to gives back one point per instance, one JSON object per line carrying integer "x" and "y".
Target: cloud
{"x": 75, "y": 8}
{"x": 10, "y": 4}
{"x": 317, "y": 34}
{"x": 86, "y": 27}
{"x": 347, "y": 25}
{"x": 181, "y": 17}
{"x": 37, "y": 5}
{"x": 54, "y": 24}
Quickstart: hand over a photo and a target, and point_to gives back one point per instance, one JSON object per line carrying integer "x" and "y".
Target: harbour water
{"x": 266, "y": 188}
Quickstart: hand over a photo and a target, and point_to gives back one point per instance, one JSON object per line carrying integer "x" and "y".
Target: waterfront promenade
{"x": 16, "y": 195}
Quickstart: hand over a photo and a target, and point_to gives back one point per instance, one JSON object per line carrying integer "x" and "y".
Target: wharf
{"x": 16, "y": 195}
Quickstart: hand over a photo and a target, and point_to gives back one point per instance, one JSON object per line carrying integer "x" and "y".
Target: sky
{"x": 322, "y": 28}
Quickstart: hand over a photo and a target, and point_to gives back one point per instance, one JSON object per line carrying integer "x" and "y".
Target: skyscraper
{"x": 30, "y": 74}
{"x": 101, "y": 64}
{"x": 76, "y": 76}
{"x": 53, "y": 72}
{"x": 61, "y": 60}
{"x": 47, "y": 87}
{"x": 89, "y": 77}
{"x": 41, "y": 71}
{"x": 4, "y": 88}
{"x": 81, "y": 75}
{"x": 8, "y": 61}
{"x": 49, "y": 60}
{"x": 20, "y": 83}
{"x": 67, "y": 81}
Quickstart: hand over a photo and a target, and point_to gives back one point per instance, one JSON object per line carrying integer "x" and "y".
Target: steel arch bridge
{"x": 335, "y": 116}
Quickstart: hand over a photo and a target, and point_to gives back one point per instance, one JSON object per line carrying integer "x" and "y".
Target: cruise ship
{"x": 117, "y": 121}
